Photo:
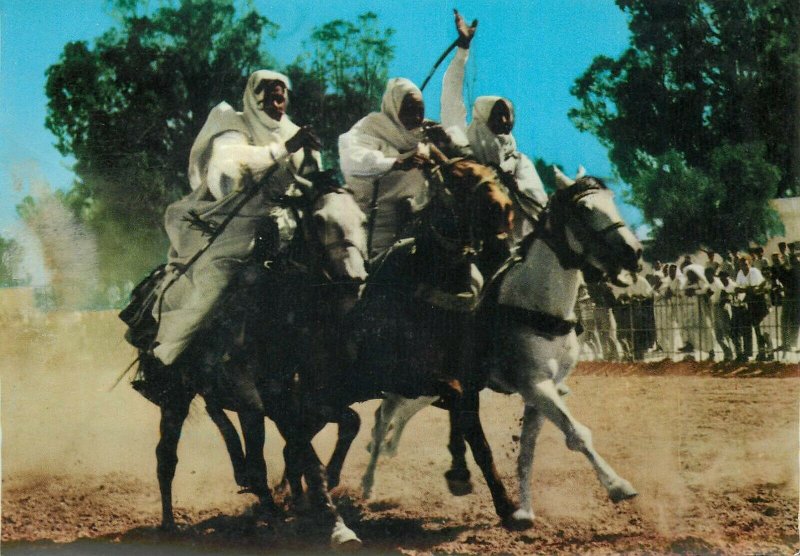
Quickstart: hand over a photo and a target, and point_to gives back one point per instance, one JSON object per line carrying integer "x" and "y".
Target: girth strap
{"x": 541, "y": 323}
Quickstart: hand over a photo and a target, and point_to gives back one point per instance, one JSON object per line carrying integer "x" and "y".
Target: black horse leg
{"x": 468, "y": 407}
{"x": 303, "y": 460}
{"x": 292, "y": 474}
{"x": 173, "y": 414}
{"x": 349, "y": 425}
{"x": 255, "y": 466}
{"x": 458, "y": 476}
{"x": 232, "y": 442}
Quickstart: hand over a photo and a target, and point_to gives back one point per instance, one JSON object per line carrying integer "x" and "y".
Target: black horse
{"x": 295, "y": 356}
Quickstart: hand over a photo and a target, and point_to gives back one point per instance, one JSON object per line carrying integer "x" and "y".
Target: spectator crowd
{"x": 732, "y": 308}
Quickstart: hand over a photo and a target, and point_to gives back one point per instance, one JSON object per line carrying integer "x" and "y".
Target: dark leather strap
{"x": 541, "y": 323}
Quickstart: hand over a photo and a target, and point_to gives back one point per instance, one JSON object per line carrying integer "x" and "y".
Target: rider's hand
{"x": 436, "y": 133}
{"x": 304, "y": 138}
{"x": 465, "y": 33}
{"x": 416, "y": 160}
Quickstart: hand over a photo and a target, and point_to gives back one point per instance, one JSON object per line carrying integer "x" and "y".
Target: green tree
{"x": 341, "y": 77}
{"x": 702, "y": 78}
{"x": 128, "y": 107}
{"x": 546, "y": 173}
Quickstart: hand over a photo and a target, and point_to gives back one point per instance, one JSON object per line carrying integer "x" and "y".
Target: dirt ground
{"x": 713, "y": 452}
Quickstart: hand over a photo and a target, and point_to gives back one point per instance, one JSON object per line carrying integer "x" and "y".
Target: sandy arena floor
{"x": 712, "y": 451}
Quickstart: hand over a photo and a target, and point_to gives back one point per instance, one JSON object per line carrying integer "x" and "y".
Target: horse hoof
{"x": 520, "y": 520}
{"x": 621, "y": 491}
{"x": 458, "y": 482}
{"x": 267, "y": 510}
{"x": 343, "y": 538}
{"x": 168, "y": 526}
{"x": 459, "y": 488}
{"x": 282, "y": 488}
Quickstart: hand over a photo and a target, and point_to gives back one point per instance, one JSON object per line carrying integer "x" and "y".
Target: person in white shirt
{"x": 632, "y": 321}
{"x": 750, "y": 289}
{"x": 382, "y": 157}
{"x": 696, "y": 309}
{"x": 233, "y": 151}
{"x": 722, "y": 290}
{"x": 489, "y": 135}
{"x": 673, "y": 298}
{"x": 660, "y": 317}
{"x": 602, "y": 296}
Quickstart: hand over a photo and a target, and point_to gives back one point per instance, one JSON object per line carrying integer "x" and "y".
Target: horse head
{"x": 481, "y": 209}
{"x": 585, "y": 229}
{"x": 336, "y": 226}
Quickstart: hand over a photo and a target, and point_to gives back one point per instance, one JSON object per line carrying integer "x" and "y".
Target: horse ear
{"x": 562, "y": 181}
{"x": 581, "y": 172}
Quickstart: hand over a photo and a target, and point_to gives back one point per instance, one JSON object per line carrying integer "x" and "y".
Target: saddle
{"x": 138, "y": 314}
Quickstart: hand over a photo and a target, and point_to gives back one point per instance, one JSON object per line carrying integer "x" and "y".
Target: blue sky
{"x": 529, "y": 51}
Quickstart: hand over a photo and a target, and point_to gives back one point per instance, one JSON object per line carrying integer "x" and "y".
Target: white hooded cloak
{"x": 367, "y": 154}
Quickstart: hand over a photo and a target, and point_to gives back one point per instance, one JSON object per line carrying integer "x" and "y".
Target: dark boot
{"x": 153, "y": 379}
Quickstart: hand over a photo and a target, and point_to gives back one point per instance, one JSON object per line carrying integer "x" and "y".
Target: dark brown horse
{"x": 299, "y": 360}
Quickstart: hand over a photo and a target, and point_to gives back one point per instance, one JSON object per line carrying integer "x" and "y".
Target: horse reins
{"x": 557, "y": 240}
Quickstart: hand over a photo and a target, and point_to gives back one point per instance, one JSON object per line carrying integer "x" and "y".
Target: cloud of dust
{"x": 68, "y": 249}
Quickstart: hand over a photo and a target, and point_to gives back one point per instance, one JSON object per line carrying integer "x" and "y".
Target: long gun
{"x": 442, "y": 57}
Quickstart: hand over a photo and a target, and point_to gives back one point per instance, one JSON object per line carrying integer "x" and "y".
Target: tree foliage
{"x": 341, "y": 77}
{"x": 129, "y": 106}
{"x": 546, "y": 174}
{"x": 702, "y": 79}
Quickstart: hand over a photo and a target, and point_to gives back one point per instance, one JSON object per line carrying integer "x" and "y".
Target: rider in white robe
{"x": 232, "y": 151}
{"x": 381, "y": 158}
{"x": 488, "y": 147}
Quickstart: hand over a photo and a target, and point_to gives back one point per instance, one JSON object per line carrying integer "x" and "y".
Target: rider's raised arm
{"x": 232, "y": 157}
{"x": 453, "y": 109}
{"x": 360, "y": 156}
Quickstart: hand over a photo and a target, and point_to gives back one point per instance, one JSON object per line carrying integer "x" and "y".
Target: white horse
{"x": 532, "y": 344}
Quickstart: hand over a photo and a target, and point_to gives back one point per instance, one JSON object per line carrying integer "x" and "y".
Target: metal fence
{"x": 690, "y": 328}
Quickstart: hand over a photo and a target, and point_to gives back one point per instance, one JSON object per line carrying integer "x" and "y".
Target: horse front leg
{"x": 173, "y": 414}
{"x": 458, "y": 476}
{"x": 349, "y": 425}
{"x": 532, "y": 422}
{"x": 342, "y": 537}
{"x": 292, "y": 473}
{"x": 232, "y": 442}
{"x": 468, "y": 407}
{"x": 545, "y": 397}
{"x": 252, "y": 423}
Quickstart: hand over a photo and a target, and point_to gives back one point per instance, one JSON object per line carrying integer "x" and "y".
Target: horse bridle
{"x": 449, "y": 244}
{"x": 566, "y": 202}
